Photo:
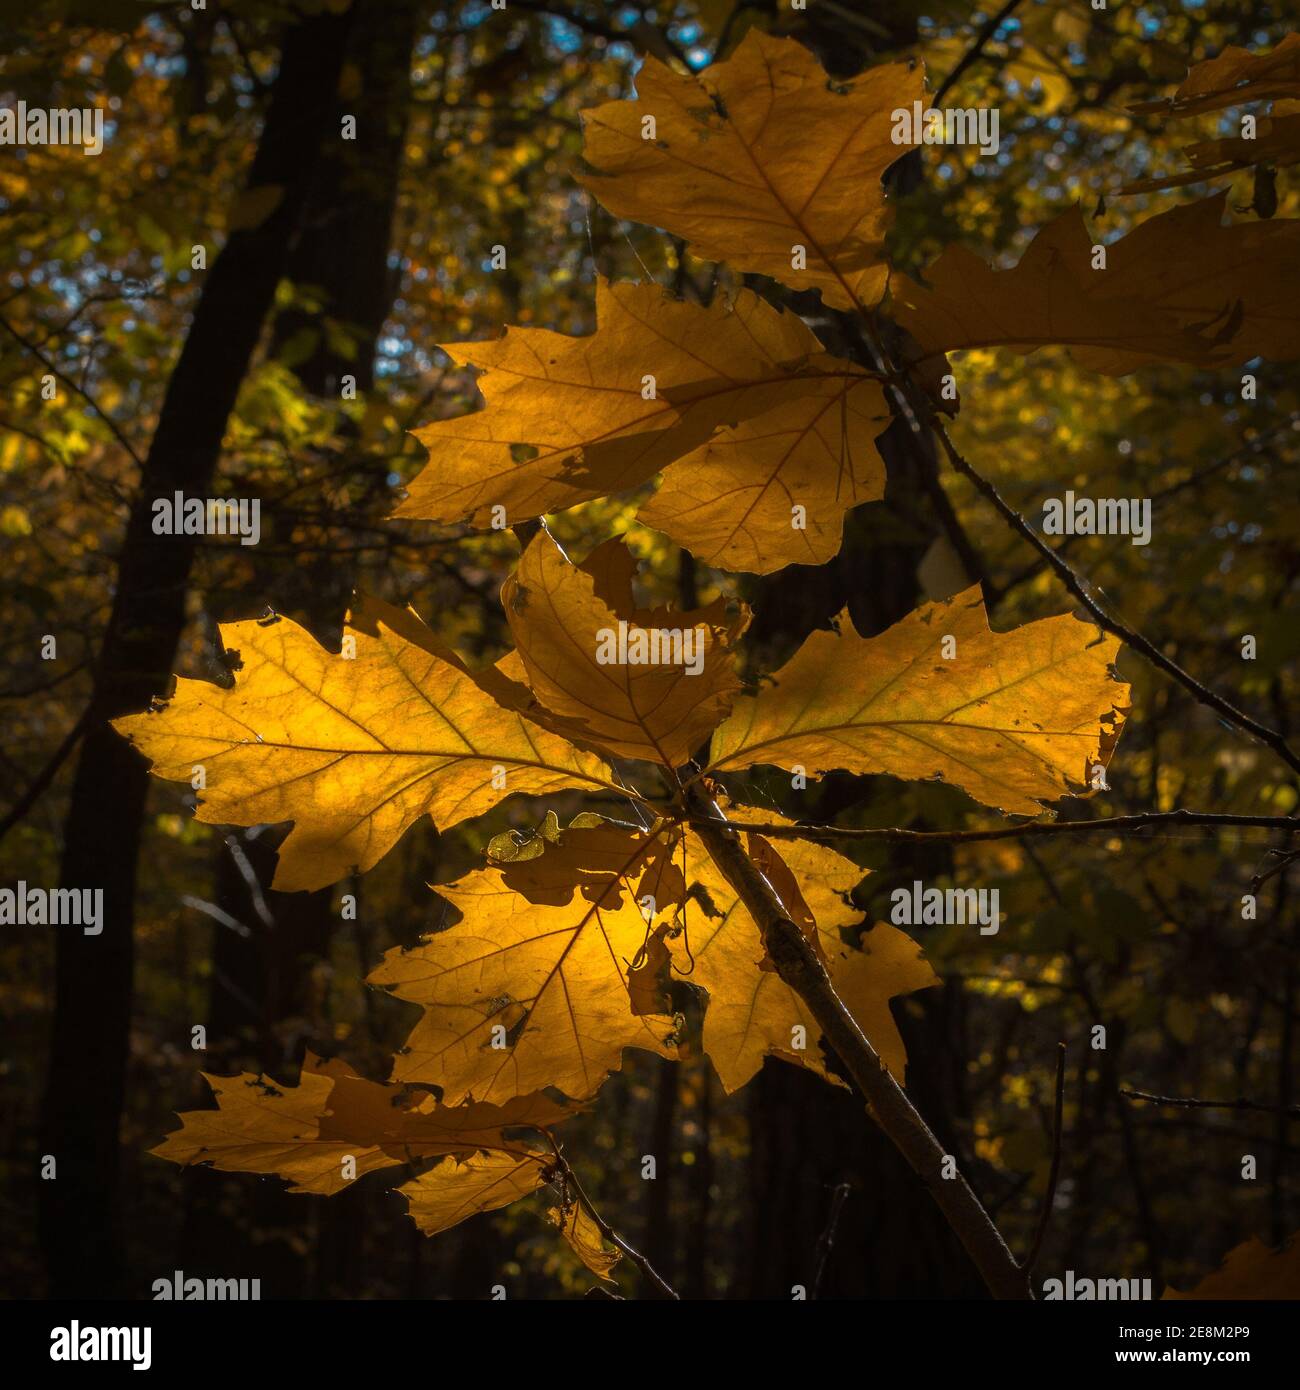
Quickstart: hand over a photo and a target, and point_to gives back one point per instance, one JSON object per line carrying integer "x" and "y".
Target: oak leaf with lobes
{"x": 352, "y": 750}
{"x": 751, "y": 1012}
{"x": 332, "y": 1117}
{"x": 302, "y": 1133}
{"x": 735, "y": 402}
{"x": 654, "y": 710}
{"x": 1014, "y": 719}
{"x": 758, "y": 155}
{"x": 532, "y": 987}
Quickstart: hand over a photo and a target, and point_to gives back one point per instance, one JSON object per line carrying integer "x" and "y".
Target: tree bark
{"x": 80, "y": 1219}
{"x": 263, "y": 1011}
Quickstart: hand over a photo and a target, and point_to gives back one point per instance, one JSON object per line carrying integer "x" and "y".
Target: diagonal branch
{"x": 976, "y": 50}
{"x": 54, "y": 370}
{"x": 799, "y": 967}
{"x": 1199, "y": 1103}
{"x": 610, "y": 1234}
{"x": 1104, "y": 825}
{"x": 1271, "y": 738}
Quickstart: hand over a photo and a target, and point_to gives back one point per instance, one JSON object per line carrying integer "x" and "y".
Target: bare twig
{"x": 606, "y": 1230}
{"x": 1049, "y": 1197}
{"x": 1105, "y": 825}
{"x": 826, "y": 1242}
{"x": 973, "y": 53}
{"x": 75, "y": 388}
{"x": 1285, "y": 858}
{"x": 46, "y": 775}
{"x": 1224, "y": 708}
{"x": 1200, "y": 1103}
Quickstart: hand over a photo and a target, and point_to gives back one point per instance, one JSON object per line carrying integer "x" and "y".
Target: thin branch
{"x": 606, "y": 1230}
{"x": 249, "y": 875}
{"x": 826, "y": 1242}
{"x": 974, "y": 52}
{"x": 1049, "y": 1197}
{"x": 46, "y": 775}
{"x": 1199, "y": 1103}
{"x": 54, "y": 371}
{"x": 1104, "y": 825}
{"x": 218, "y": 914}
{"x": 598, "y": 28}
{"x": 802, "y": 969}
{"x": 1224, "y": 708}
{"x": 1285, "y": 858}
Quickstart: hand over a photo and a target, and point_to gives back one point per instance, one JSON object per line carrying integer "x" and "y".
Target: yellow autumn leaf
{"x": 459, "y": 1188}
{"x": 351, "y": 750}
{"x": 772, "y": 490}
{"x": 760, "y": 161}
{"x": 752, "y": 1013}
{"x": 577, "y": 1225}
{"x": 570, "y": 419}
{"x": 645, "y": 684}
{"x": 521, "y": 995}
{"x": 1014, "y": 719}
{"x": 304, "y": 1133}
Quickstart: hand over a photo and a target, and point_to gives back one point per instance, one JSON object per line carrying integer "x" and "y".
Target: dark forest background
{"x": 328, "y": 258}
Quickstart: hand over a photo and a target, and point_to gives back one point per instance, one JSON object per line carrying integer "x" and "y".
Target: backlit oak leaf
{"x": 772, "y": 490}
{"x": 756, "y": 157}
{"x": 521, "y": 995}
{"x": 304, "y": 1133}
{"x": 752, "y": 1013}
{"x": 353, "y": 750}
{"x": 578, "y": 1227}
{"x": 570, "y": 419}
{"x": 1180, "y": 287}
{"x": 1251, "y": 1271}
{"x": 590, "y": 857}
{"x": 638, "y": 683}
{"x": 1015, "y": 719}
{"x": 458, "y": 1188}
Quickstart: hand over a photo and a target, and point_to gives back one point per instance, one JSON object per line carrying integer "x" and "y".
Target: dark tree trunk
{"x": 80, "y": 1218}
{"x": 263, "y": 1011}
